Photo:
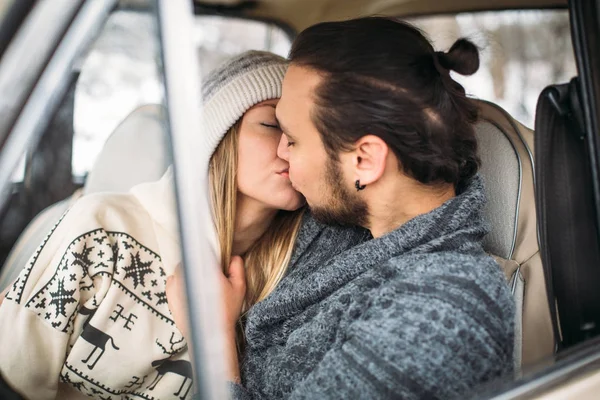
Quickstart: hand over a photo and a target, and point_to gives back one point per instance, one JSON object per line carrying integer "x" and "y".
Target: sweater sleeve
{"x": 37, "y": 316}
{"x": 409, "y": 346}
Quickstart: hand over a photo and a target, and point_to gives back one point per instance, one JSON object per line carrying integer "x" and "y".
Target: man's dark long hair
{"x": 383, "y": 77}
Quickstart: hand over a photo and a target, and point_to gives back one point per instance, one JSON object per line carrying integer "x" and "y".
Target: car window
{"x": 111, "y": 77}
{"x": 219, "y": 38}
{"x": 521, "y": 53}
{"x": 117, "y": 74}
{"x": 121, "y": 73}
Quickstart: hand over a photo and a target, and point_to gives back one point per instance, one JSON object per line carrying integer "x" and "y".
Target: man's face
{"x": 326, "y": 183}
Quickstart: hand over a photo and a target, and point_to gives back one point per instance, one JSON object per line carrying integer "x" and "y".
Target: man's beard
{"x": 342, "y": 206}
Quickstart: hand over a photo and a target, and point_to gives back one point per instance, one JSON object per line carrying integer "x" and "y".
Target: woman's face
{"x": 262, "y": 175}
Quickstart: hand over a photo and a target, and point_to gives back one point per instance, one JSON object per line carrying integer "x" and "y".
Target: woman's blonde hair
{"x": 267, "y": 260}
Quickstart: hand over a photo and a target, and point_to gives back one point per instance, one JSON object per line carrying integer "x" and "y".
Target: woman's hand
{"x": 176, "y": 300}
{"x": 233, "y": 292}
{"x": 3, "y": 294}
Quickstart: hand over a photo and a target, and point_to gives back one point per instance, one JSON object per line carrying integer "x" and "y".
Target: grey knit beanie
{"x": 237, "y": 85}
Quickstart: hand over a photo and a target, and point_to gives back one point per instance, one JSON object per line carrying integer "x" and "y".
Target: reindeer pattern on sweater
{"x": 96, "y": 300}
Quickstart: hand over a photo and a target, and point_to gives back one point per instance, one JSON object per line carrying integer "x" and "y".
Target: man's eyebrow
{"x": 282, "y": 127}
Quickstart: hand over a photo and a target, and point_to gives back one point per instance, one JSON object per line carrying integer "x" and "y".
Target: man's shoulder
{"x": 452, "y": 264}
{"x": 440, "y": 290}
{"x": 425, "y": 316}
{"x": 471, "y": 282}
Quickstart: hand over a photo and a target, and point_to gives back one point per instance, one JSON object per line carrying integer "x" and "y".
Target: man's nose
{"x": 283, "y": 151}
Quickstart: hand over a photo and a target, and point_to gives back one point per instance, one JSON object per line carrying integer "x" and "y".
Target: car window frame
{"x": 25, "y": 114}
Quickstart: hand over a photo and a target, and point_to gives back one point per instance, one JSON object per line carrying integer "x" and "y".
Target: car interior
{"x": 137, "y": 151}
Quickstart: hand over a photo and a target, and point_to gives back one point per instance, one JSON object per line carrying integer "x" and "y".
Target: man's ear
{"x": 369, "y": 158}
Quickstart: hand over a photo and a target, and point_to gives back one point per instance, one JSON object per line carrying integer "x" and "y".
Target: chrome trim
{"x": 51, "y": 87}
{"x": 200, "y": 250}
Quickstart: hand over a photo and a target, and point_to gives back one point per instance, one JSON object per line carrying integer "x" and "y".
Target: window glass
{"x": 119, "y": 74}
{"x": 219, "y": 38}
{"x": 522, "y": 52}
{"x": 121, "y": 71}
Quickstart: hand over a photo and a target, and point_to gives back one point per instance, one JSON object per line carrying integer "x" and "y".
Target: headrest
{"x": 135, "y": 152}
{"x": 507, "y": 169}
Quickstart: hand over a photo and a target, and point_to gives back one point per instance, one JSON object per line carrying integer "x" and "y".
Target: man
{"x": 378, "y": 134}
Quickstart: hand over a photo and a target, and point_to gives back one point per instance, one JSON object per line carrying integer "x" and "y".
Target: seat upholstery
{"x": 506, "y": 151}
{"x": 134, "y": 153}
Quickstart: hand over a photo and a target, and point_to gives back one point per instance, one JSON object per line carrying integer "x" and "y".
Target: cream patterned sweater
{"x": 88, "y": 315}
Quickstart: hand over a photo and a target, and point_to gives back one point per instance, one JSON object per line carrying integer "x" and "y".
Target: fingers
{"x": 170, "y": 286}
{"x": 174, "y": 280}
{"x": 237, "y": 274}
{"x": 176, "y": 300}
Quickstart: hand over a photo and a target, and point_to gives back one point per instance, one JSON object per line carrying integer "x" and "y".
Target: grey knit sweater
{"x": 420, "y": 313}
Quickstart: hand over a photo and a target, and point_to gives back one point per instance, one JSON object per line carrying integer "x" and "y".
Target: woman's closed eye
{"x": 271, "y": 125}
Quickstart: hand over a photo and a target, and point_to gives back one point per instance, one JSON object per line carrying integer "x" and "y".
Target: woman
{"x": 88, "y": 316}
